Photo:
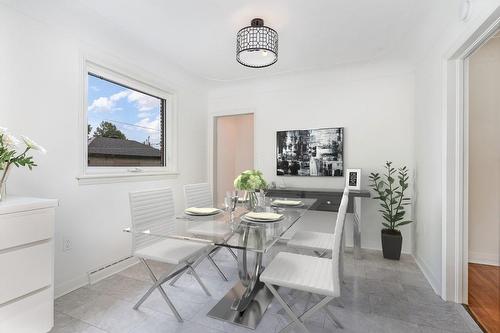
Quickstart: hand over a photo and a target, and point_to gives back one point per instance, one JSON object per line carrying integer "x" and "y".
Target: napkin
{"x": 287, "y": 202}
{"x": 201, "y": 211}
{"x": 264, "y": 216}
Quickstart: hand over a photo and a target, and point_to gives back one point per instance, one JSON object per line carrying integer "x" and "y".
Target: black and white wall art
{"x": 312, "y": 152}
{"x": 353, "y": 179}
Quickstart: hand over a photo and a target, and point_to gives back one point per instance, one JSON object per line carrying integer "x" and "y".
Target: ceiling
{"x": 199, "y": 35}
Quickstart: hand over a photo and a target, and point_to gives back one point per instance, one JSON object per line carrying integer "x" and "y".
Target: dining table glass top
{"x": 232, "y": 229}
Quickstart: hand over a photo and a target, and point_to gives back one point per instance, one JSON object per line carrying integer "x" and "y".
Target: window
{"x": 125, "y": 126}
{"x": 126, "y": 122}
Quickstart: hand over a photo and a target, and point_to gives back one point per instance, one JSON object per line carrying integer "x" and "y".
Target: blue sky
{"x": 136, "y": 114}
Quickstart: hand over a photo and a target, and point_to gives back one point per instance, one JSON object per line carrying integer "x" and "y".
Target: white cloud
{"x": 150, "y": 126}
{"x": 107, "y": 104}
{"x": 144, "y": 102}
{"x": 143, "y": 114}
{"x": 116, "y": 97}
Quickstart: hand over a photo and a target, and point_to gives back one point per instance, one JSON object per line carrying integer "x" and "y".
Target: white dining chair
{"x": 320, "y": 243}
{"x": 153, "y": 212}
{"x": 317, "y": 242}
{"x": 319, "y": 276}
{"x": 200, "y": 195}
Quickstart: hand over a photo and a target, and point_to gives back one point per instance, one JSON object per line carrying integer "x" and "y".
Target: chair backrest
{"x": 198, "y": 195}
{"x": 346, "y": 191}
{"x": 152, "y": 210}
{"x": 337, "y": 240}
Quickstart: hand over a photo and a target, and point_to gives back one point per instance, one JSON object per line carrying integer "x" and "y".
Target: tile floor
{"x": 378, "y": 296}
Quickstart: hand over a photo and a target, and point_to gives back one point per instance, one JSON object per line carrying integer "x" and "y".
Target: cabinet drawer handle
{"x": 328, "y": 202}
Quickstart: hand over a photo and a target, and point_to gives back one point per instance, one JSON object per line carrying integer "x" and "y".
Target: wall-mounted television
{"x": 310, "y": 152}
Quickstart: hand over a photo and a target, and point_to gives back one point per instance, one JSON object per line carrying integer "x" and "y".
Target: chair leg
{"x": 193, "y": 272}
{"x": 217, "y": 267}
{"x": 157, "y": 284}
{"x": 232, "y": 253}
{"x": 333, "y": 318}
{"x": 293, "y": 316}
{"x": 313, "y": 310}
{"x": 330, "y": 313}
{"x": 193, "y": 265}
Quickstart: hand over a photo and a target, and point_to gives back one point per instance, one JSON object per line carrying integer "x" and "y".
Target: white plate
{"x": 249, "y": 219}
{"x": 201, "y": 214}
{"x": 284, "y": 206}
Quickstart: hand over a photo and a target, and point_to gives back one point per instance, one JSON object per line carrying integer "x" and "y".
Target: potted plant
{"x": 10, "y": 157}
{"x": 390, "y": 188}
{"x": 250, "y": 181}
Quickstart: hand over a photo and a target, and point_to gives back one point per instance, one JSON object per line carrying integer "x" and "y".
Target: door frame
{"x": 455, "y": 158}
{"x": 212, "y": 141}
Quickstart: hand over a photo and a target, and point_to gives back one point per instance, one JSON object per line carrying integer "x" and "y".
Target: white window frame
{"x": 105, "y": 174}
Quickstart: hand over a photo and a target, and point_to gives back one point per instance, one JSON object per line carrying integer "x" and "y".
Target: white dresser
{"x": 26, "y": 264}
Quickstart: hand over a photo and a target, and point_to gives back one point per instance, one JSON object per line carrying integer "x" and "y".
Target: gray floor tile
{"x": 111, "y": 314}
{"x": 74, "y": 299}
{"x": 67, "y": 324}
{"x": 378, "y": 295}
{"x": 122, "y": 287}
{"x": 443, "y": 317}
{"x": 191, "y": 327}
{"x": 369, "y": 323}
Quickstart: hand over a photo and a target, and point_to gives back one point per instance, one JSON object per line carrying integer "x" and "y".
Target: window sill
{"x": 110, "y": 178}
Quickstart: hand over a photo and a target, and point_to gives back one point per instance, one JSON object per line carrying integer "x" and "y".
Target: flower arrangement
{"x": 250, "y": 181}
{"x": 10, "y": 156}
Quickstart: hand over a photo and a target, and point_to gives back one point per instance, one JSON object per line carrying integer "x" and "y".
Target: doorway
{"x": 483, "y": 74}
{"x": 233, "y": 150}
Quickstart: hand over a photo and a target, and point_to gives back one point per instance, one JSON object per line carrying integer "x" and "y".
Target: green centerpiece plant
{"x": 390, "y": 188}
{"x": 10, "y": 156}
{"x": 250, "y": 181}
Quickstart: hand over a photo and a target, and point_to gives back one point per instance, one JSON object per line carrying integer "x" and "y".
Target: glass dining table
{"x": 248, "y": 299}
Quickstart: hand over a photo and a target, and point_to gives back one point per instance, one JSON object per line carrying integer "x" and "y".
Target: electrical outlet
{"x": 66, "y": 245}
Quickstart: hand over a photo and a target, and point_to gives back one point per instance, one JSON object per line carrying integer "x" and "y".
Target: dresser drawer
{"x": 25, "y": 270}
{"x": 32, "y": 314}
{"x": 26, "y": 227}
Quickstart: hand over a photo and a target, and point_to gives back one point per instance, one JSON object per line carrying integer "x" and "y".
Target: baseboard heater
{"x": 112, "y": 268}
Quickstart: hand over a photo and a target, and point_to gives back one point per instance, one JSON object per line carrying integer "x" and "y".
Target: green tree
{"x": 108, "y": 130}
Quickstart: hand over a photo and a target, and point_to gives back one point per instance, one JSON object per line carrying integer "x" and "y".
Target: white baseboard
{"x": 86, "y": 279}
{"x": 111, "y": 269}
{"x": 431, "y": 278}
{"x": 484, "y": 258}
{"x": 66, "y": 287}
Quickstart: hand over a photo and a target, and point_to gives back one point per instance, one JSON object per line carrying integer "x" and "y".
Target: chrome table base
{"x": 251, "y": 316}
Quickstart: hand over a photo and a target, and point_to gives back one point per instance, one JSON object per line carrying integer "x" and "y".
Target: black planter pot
{"x": 391, "y": 244}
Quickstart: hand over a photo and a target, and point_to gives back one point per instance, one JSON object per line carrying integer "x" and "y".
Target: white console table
{"x": 27, "y": 264}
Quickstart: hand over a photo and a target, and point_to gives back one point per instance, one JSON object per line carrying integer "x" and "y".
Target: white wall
{"x": 430, "y": 44}
{"x": 374, "y": 103}
{"x": 484, "y": 154}
{"x": 40, "y": 85}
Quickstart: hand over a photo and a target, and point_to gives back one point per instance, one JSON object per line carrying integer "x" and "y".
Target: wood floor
{"x": 484, "y": 295}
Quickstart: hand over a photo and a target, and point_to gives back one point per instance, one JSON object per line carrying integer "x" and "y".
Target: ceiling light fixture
{"x": 257, "y": 45}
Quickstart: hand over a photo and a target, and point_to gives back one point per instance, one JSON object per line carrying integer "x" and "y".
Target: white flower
{"x": 33, "y": 145}
{"x": 3, "y": 130}
{"x": 9, "y": 140}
